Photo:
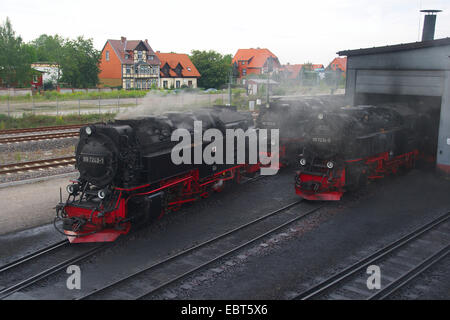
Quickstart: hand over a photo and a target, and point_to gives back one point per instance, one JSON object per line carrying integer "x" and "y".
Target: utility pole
{"x": 229, "y": 88}
{"x": 269, "y": 69}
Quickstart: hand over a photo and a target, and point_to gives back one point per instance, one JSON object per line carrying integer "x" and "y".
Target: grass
{"x": 53, "y": 95}
{"x": 35, "y": 121}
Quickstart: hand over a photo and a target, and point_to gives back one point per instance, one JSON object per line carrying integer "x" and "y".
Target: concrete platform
{"x": 28, "y": 204}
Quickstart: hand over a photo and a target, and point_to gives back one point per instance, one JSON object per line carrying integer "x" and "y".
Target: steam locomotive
{"x": 291, "y": 116}
{"x": 346, "y": 147}
{"x": 127, "y": 177}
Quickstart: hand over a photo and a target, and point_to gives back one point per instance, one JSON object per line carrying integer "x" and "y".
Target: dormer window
{"x": 189, "y": 68}
{"x": 127, "y": 56}
{"x": 139, "y": 55}
{"x": 150, "y": 57}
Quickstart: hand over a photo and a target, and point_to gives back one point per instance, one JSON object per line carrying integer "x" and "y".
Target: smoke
{"x": 158, "y": 102}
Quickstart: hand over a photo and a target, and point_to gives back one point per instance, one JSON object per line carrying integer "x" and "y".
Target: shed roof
{"x": 397, "y": 47}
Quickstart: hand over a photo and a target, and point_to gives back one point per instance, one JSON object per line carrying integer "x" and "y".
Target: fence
{"x": 15, "y": 91}
{"x": 61, "y": 107}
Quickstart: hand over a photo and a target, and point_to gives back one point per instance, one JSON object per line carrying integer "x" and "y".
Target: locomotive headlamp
{"x": 88, "y": 130}
{"x": 102, "y": 194}
{"x": 303, "y": 161}
{"x": 330, "y": 165}
{"x": 320, "y": 116}
{"x": 72, "y": 188}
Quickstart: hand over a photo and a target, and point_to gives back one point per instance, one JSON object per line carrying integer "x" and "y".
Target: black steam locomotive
{"x": 127, "y": 176}
{"x": 345, "y": 147}
{"x": 291, "y": 116}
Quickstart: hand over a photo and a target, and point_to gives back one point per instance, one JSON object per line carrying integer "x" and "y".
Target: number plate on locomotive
{"x": 93, "y": 159}
{"x": 322, "y": 140}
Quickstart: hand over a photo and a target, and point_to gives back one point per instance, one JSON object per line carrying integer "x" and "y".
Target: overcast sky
{"x": 295, "y": 31}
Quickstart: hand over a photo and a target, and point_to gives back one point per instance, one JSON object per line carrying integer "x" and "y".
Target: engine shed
{"x": 415, "y": 73}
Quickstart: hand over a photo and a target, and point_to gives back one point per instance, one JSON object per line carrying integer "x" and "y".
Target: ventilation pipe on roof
{"x": 429, "y": 24}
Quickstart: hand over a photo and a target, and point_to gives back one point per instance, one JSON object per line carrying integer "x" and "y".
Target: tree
{"x": 49, "y": 49}
{"x": 15, "y": 57}
{"x": 213, "y": 67}
{"x": 80, "y": 63}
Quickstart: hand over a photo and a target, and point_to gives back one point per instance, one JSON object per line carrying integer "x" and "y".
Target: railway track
{"x": 24, "y": 272}
{"x": 40, "y": 129}
{"x": 152, "y": 279}
{"x": 38, "y": 137}
{"x": 36, "y": 165}
{"x": 399, "y": 262}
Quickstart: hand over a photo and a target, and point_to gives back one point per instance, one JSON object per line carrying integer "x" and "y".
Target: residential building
{"x": 339, "y": 63}
{"x": 131, "y": 64}
{"x": 37, "y": 81}
{"x": 254, "y": 62}
{"x": 294, "y": 71}
{"x": 177, "y": 70}
{"x": 51, "y": 72}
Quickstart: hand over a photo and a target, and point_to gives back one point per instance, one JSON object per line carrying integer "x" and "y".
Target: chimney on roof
{"x": 146, "y": 41}
{"x": 123, "y": 39}
{"x": 429, "y": 24}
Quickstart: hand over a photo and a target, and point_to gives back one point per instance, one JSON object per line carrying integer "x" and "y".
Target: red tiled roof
{"x": 340, "y": 62}
{"x": 257, "y": 57}
{"x": 173, "y": 59}
{"x": 120, "y": 49}
{"x": 292, "y": 70}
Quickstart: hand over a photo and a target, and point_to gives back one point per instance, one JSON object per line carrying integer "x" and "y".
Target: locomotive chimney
{"x": 429, "y": 24}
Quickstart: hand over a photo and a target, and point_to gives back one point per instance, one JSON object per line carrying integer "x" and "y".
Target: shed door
{"x": 402, "y": 82}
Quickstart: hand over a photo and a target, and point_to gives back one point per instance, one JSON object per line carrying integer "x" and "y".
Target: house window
{"x": 128, "y": 70}
{"x": 139, "y": 55}
{"x": 144, "y": 70}
{"x": 150, "y": 57}
{"x": 35, "y": 78}
{"x": 243, "y": 62}
{"x": 128, "y": 84}
{"x": 107, "y": 55}
{"x": 178, "y": 84}
{"x": 127, "y": 56}
{"x": 165, "y": 84}
{"x": 190, "y": 83}
{"x": 244, "y": 72}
